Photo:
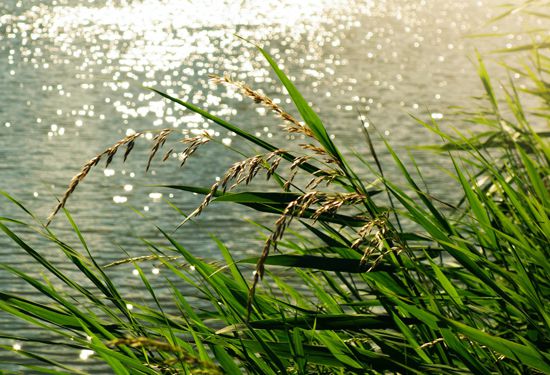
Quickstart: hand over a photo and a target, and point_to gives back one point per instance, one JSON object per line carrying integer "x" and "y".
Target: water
{"x": 71, "y": 76}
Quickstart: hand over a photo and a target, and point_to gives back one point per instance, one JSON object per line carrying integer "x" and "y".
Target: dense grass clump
{"x": 392, "y": 279}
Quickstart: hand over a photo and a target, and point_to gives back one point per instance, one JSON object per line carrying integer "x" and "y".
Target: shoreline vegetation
{"x": 391, "y": 278}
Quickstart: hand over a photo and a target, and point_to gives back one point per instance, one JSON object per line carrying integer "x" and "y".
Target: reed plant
{"x": 392, "y": 279}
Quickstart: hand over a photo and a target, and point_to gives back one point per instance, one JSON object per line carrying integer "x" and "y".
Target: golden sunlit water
{"x": 73, "y": 76}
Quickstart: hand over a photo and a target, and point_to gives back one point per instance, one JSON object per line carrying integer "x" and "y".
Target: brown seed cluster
{"x": 333, "y": 203}
{"x": 109, "y": 153}
{"x": 242, "y": 172}
{"x": 328, "y": 204}
{"x": 158, "y": 142}
{"x": 193, "y": 143}
{"x": 291, "y": 125}
{"x": 373, "y": 237}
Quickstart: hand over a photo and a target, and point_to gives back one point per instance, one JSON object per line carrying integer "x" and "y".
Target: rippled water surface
{"x": 72, "y": 77}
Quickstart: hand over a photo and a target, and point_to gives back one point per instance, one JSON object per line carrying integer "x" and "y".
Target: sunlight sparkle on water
{"x": 155, "y": 196}
{"x": 120, "y": 46}
{"x": 120, "y": 199}
{"x": 85, "y": 354}
{"x": 108, "y": 172}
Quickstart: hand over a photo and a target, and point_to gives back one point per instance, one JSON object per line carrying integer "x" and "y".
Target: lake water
{"x": 71, "y": 76}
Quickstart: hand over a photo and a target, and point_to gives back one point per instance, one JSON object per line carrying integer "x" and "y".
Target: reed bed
{"x": 464, "y": 289}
